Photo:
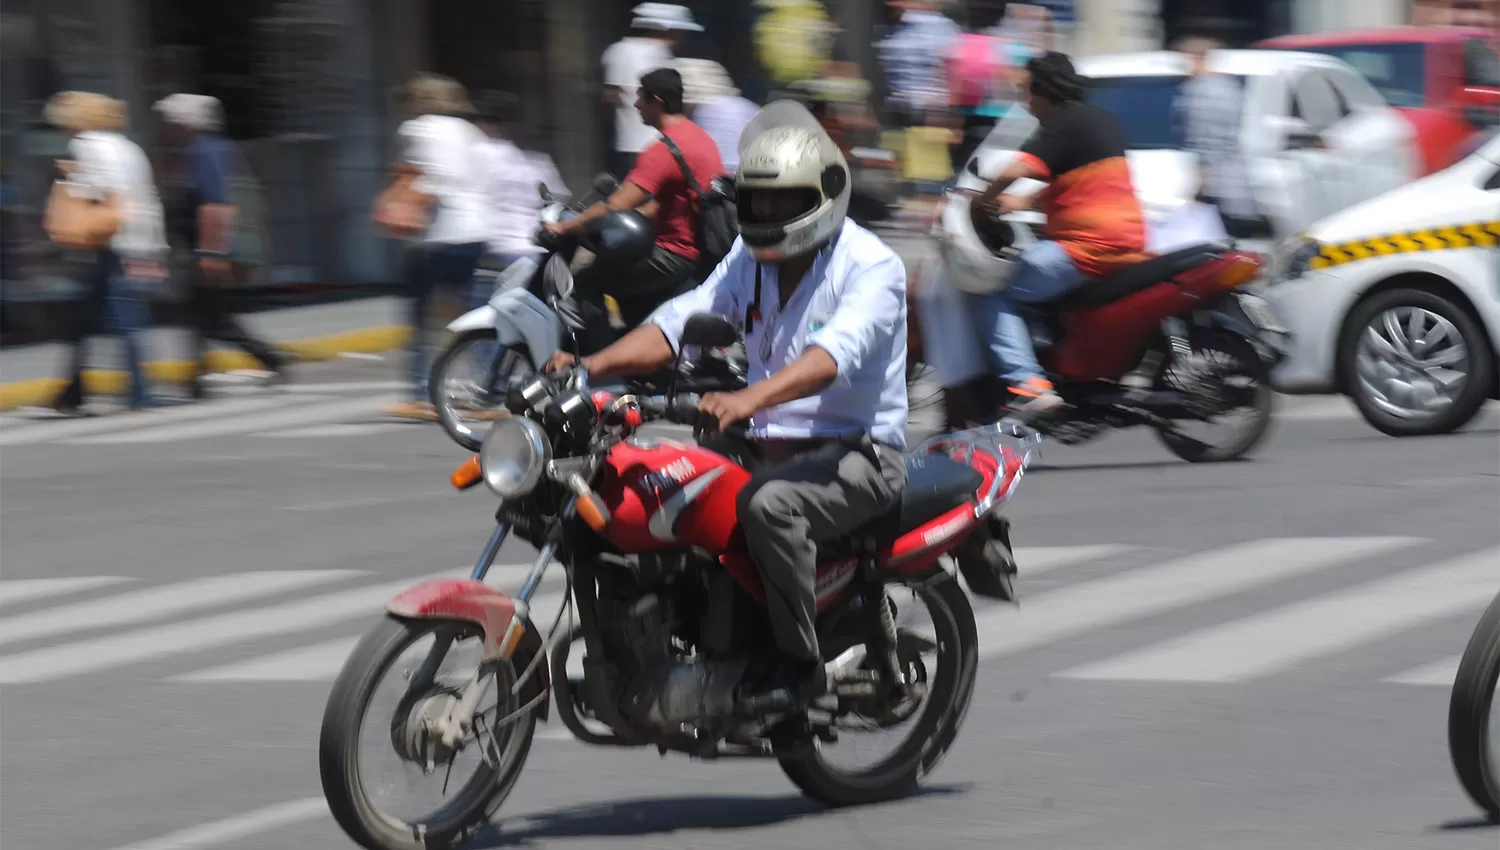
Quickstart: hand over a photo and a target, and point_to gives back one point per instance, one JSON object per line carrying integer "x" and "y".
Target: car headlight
{"x": 513, "y": 457}
{"x": 1294, "y": 257}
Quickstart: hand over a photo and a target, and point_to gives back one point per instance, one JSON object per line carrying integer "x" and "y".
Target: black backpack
{"x": 718, "y": 218}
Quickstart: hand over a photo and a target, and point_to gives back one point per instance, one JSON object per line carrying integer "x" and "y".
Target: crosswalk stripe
{"x": 282, "y": 418}
{"x": 1440, "y": 673}
{"x": 27, "y": 589}
{"x": 1273, "y": 641}
{"x": 87, "y": 656}
{"x": 1036, "y": 560}
{"x": 316, "y": 663}
{"x": 322, "y": 662}
{"x": 66, "y": 429}
{"x": 144, "y": 606}
{"x": 1138, "y": 593}
{"x": 338, "y": 429}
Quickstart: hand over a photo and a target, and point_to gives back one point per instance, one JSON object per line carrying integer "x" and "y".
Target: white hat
{"x": 664, "y": 16}
{"x": 703, "y": 80}
{"x": 195, "y": 111}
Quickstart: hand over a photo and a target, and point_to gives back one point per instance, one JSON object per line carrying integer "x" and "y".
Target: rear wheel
{"x": 1226, "y": 376}
{"x": 946, "y": 691}
{"x": 469, "y": 383}
{"x": 1473, "y": 722}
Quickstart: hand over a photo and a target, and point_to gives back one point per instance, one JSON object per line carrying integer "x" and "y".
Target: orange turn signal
{"x": 1241, "y": 271}
{"x": 593, "y": 512}
{"x": 467, "y": 475}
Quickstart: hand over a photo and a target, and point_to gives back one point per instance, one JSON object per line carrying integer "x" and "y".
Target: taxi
{"x": 1395, "y": 302}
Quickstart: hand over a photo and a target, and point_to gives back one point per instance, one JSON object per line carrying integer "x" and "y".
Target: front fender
{"x": 479, "y": 318}
{"x": 492, "y": 611}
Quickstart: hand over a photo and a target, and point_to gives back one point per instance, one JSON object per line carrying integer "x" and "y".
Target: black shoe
{"x": 789, "y": 686}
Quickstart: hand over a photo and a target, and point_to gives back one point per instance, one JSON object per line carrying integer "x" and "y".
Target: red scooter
{"x": 671, "y": 614}
{"x": 1168, "y": 343}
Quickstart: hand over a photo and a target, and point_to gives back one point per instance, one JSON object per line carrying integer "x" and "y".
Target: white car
{"x": 1317, "y": 137}
{"x": 1396, "y": 302}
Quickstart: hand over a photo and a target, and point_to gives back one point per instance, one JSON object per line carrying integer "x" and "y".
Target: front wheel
{"x": 1473, "y": 724}
{"x": 366, "y": 729}
{"x": 945, "y": 693}
{"x": 1416, "y": 363}
{"x": 1227, "y": 378}
{"x": 469, "y": 383}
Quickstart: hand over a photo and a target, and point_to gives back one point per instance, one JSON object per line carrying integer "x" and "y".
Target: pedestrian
{"x": 713, "y": 103}
{"x": 913, "y": 54}
{"x": 654, "y": 34}
{"x": 107, "y": 178}
{"x": 439, "y": 170}
{"x": 1209, "y": 111}
{"x": 204, "y": 216}
{"x": 510, "y": 175}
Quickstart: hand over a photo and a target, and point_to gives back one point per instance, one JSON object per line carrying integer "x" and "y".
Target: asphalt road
{"x": 1238, "y": 656}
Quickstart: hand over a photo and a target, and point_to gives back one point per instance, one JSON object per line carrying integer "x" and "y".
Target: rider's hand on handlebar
{"x": 725, "y": 409}
{"x": 560, "y": 361}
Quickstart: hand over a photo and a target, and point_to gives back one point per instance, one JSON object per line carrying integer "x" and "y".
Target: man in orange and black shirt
{"x": 1094, "y": 222}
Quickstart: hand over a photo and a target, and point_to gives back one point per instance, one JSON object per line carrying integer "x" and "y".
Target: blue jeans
{"x": 117, "y": 303}
{"x": 1045, "y": 273}
{"x": 427, "y": 268}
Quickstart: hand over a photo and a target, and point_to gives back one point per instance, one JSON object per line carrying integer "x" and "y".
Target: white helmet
{"x": 792, "y": 185}
{"x": 979, "y": 259}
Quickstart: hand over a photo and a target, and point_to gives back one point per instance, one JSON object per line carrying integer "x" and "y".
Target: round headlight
{"x": 513, "y": 457}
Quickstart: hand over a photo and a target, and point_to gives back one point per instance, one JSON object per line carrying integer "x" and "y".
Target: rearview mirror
{"x": 709, "y": 330}
{"x": 605, "y": 183}
{"x": 544, "y": 192}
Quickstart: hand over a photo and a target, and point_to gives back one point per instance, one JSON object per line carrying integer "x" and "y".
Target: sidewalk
{"x": 29, "y": 374}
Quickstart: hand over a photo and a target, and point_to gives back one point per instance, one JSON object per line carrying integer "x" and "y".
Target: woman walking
{"x": 107, "y": 172}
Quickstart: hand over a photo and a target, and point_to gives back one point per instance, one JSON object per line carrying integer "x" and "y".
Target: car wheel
{"x": 1415, "y": 362}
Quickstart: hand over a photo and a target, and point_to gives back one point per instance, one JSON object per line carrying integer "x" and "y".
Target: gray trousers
{"x": 802, "y": 495}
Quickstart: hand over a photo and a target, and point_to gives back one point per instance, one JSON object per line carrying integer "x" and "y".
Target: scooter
{"x": 531, "y": 316}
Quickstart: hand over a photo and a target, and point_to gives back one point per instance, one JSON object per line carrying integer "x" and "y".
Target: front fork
{"x": 456, "y": 723}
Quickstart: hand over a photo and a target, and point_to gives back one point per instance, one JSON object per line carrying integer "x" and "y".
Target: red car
{"x": 1445, "y": 80}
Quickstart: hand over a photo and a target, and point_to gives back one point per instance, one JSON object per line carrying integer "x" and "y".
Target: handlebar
{"x": 682, "y": 409}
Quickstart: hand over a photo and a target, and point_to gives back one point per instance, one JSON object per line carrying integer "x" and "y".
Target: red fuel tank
{"x": 663, "y": 494}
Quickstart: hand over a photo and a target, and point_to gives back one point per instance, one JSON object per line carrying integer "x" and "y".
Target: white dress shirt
{"x": 852, "y": 304}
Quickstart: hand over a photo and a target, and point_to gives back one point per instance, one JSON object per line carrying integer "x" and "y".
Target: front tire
{"x": 1408, "y": 387}
{"x": 947, "y": 704}
{"x": 474, "y": 346}
{"x": 1470, "y": 715}
{"x": 1224, "y": 346}
{"x": 339, "y": 750}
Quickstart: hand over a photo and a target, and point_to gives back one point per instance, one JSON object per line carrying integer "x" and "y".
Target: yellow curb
{"x": 41, "y": 391}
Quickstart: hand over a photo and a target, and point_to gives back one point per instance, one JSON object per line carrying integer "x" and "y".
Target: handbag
{"x": 76, "y": 221}
{"x": 402, "y": 210}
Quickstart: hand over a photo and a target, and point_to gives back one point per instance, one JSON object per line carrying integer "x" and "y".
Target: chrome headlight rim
{"x": 500, "y": 446}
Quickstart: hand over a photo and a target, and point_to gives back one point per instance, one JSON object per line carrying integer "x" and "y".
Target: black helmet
{"x": 620, "y": 238}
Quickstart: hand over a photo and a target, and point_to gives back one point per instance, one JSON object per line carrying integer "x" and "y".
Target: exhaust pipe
{"x": 1168, "y": 404}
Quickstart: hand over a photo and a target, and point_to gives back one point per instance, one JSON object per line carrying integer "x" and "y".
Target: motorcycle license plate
{"x": 1260, "y": 312}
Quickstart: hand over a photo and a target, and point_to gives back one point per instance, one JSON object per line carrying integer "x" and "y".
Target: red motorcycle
{"x": 1166, "y": 343}
{"x": 670, "y": 614}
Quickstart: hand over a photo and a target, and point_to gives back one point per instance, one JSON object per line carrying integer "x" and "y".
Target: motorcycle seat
{"x": 935, "y": 484}
{"x": 1139, "y": 276}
